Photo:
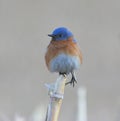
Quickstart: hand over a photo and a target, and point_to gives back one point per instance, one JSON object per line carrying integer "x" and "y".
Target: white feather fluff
{"x": 64, "y": 63}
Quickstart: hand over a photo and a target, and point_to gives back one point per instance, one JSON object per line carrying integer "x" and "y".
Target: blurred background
{"x": 24, "y": 25}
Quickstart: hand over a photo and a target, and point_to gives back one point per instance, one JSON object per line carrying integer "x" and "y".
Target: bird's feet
{"x": 73, "y": 79}
{"x": 72, "y": 82}
{"x": 64, "y": 74}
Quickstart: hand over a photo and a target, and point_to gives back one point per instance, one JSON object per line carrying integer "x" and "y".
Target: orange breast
{"x": 57, "y": 47}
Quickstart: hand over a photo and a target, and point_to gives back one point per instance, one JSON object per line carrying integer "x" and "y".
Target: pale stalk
{"x": 56, "y": 92}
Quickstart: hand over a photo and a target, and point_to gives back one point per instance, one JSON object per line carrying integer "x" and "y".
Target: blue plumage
{"x": 61, "y": 33}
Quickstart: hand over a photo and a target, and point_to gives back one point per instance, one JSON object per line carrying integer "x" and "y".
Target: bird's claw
{"x": 72, "y": 82}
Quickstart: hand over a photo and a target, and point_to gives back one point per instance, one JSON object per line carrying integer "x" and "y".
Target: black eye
{"x": 60, "y": 35}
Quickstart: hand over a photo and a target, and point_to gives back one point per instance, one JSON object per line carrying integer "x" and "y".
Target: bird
{"x": 63, "y": 54}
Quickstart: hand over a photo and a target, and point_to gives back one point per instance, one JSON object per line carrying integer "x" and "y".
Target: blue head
{"x": 61, "y": 33}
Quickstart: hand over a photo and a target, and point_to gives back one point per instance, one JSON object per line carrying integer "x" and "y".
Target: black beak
{"x": 51, "y": 35}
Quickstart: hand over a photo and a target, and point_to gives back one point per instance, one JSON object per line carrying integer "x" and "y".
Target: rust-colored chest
{"x": 57, "y": 47}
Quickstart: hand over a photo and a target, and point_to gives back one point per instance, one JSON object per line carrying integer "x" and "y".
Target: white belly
{"x": 64, "y": 63}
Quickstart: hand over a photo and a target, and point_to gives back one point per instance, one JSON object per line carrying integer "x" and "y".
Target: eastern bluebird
{"x": 63, "y": 54}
